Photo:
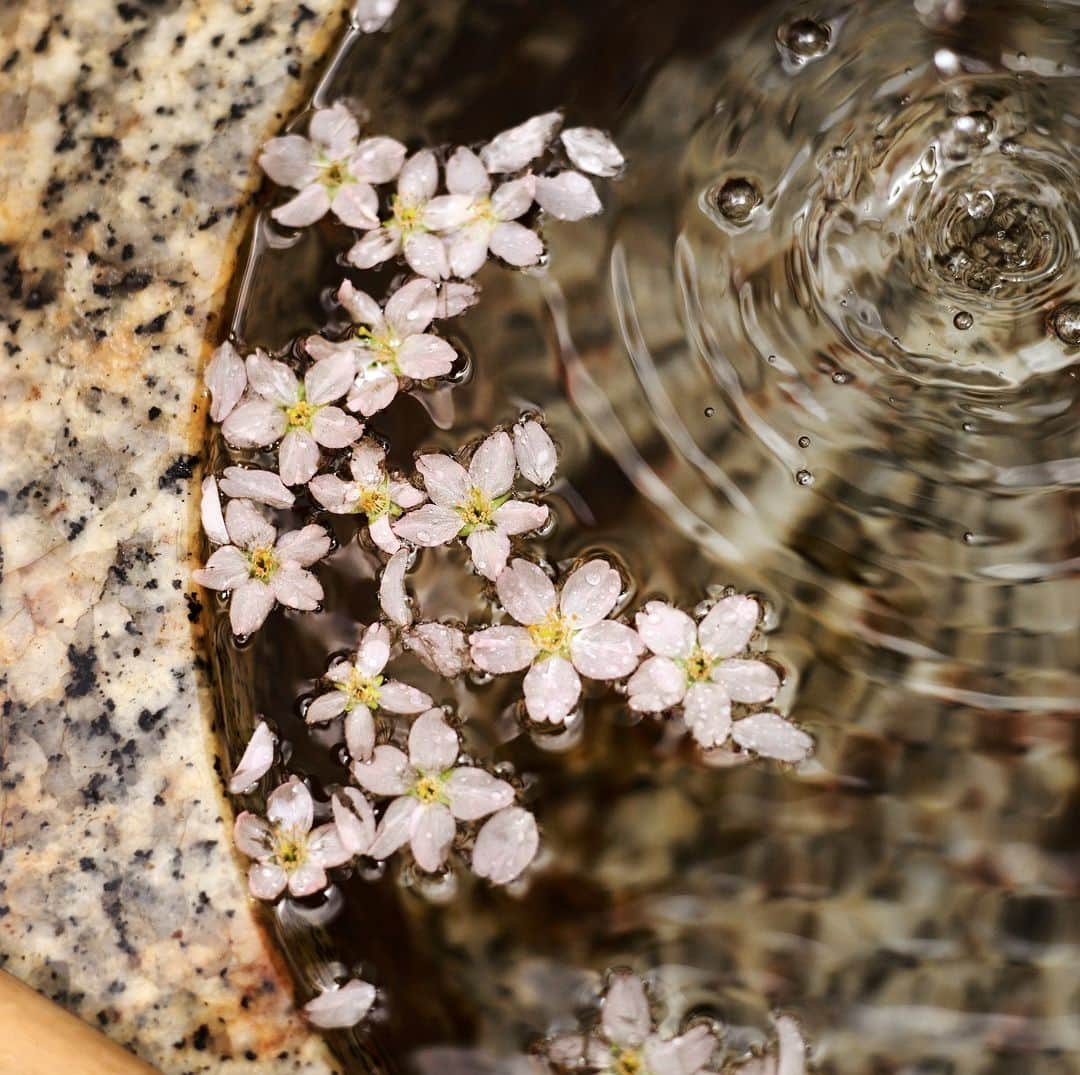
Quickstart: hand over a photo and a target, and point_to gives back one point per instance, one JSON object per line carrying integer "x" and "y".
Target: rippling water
{"x": 823, "y": 345}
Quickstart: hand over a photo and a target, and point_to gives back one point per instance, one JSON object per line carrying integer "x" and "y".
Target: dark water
{"x": 757, "y": 372}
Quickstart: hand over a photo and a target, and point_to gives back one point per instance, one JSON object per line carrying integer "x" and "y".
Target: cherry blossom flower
{"x": 627, "y": 1043}
{"x": 535, "y": 451}
{"x": 286, "y": 850}
{"x": 359, "y": 687}
{"x": 475, "y": 504}
{"x": 506, "y": 843}
{"x": 390, "y": 344}
{"x": 256, "y": 760}
{"x": 279, "y": 407}
{"x": 226, "y": 377}
{"x": 512, "y": 150}
{"x": 592, "y": 151}
{"x": 563, "y": 637}
{"x": 432, "y": 795}
{"x": 695, "y": 666}
{"x": 332, "y": 170}
{"x": 260, "y": 568}
{"x": 341, "y": 1006}
{"x": 411, "y": 224}
{"x": 372, "y": 493}
{"x": 488, "y": 221}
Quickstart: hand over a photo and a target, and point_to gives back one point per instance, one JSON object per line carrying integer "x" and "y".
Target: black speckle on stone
{"x": 201, "y": 1038}
{"x": 181, "y": 467}
{"x": 83, "y": 678}
{"x": 101, "y": 147}
{"x": 147, "y": 720}
{"x": 152, "y": 327}
{"x": 154, "y": 414}
{"x": 194, "y": 607}
{"x": 128, "y": 284}
{"x": 303, "y": 14}
{"x": 11, "y": 61}
{"x": 87, "y": 865}
{"x": 129, "y": 12}
{"x": 42, "y": 42}
{"x": 76, "y": 528}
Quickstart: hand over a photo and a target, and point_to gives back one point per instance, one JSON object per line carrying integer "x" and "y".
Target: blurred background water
{"x": 822, "y": 345}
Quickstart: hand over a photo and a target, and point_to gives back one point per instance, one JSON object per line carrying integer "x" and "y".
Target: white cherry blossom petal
{"x": 505, "y": 845}
{"x": 514, "y": 148}
{"x": 625, "y": 1017}
{"x": 374, "y": 248}
{"x": 406, "y": 495}
{"x": 474, "y": 793}
{"x": 606, "y": 650}
{"x": 305, "y": 208}
{"x": 253, "y": 836}
{"x": 290, "y": 807}
{"x": 330, "y": 378}
{"x": 770, "y": 735}
{"x": 332, "y": 493}
{"x": 592, "y": 151}
{"x": 359, "y": 305}
{"x": 433, "y": 744}
{"x": 466, "y": 174}
{"x": 397, "y": 697}
{"x": 514, "y": 199}
{"x": 367, "y": 464}
{"x": 455, "y": 298}
{"x": 433, "y": 831}
{"x": 419, "y": 177}
{"x": 296, "y": 588}
{"x": 552, "y": 688}
{"x": 385, "y": 774}
{"x": 334, "y": 129}
{"x": 250, "y": 605}
{"x": 707, "y": 712}
{"x": 254, "y": 424}
{"x": 535, "y": 451}
{"x": 226, "y": 377}
{"x": 247, "y": 527}
{"x": 520, "y": 517}
{"x": 492, "y": 467}
{"x": 226, "y": 568}
{"x": 357, "y": 206}
{"x": 567, "y": 196}
{"x": 467, "y": 249}
{"x": 256, "y": 760}
{"x": 336, "y": 1009}
{"x": 441, "y": 648}
{"x": 446, "y": 212}
{"x": 304, "y": 546}
{"x": 445, "y": 479}
{"x": 326, "y": 849}
{"x": 727, "y": 628}
{"x": 290, "y": 161}
{"x": 502, "y": 649}
{"x": 213, "y": 519}
{"x": 271, "y": 379}
{"x": 359, "y": 733}
{"x": 791, "y": 1047}
{"x": 262, "y": 486}
{"x": 424, "y": 356}
{"x": 326, "y": 707}
{"x": 267, "y": 881}
{"x": 426, "y": 255}
{"x": 516, "y": 244}
{"x": 319, "y": 348}
{"x": 395, "y": 828}
{"x": 377, "y": 160}
{"x": 306, "y": 880}
{"x": 526, "y": 592}
{"x": 429, "y": 526}
{"x": 392, "y": 597}
{"x": 489, "y": 550}
{"x": 373, "y": 391}
{"x": 382, "y": 534}
{"x": 374, "y": 650}
{"x": 411, "y": 308}
{"x": 355, "y": 820}
{"x": 333, "y": 428}
{"x": 590, "y": 593}
{"x": 667, "y": 631}
{"x": 298, "y": 457}
{"x": 747, "y": 681}
{"x": 658, "y": 685}
{"x": 684, "y": 1055}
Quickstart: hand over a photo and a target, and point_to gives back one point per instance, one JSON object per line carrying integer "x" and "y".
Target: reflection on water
{"x": 823, "y": 346}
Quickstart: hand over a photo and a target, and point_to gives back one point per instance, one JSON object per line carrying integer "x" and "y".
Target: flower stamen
{"x": 262, "y": 563}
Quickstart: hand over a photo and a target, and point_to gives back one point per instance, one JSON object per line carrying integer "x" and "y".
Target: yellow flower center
{"x": 386, "y": 346}
{"x": 361, "y": 689}
{"x": 262, "y": 563}
{"x": 300, "y": 414}
{"x": 335, "y": 174}
{"x": 290, "y": 851}
{"x": 373, "y": 502}
{"x": 698, "y": 666}
{"x": 428, "y": 789}
{"x": 484, "y": 210}
{"x": 552, "y": 636}
{"x": 628, "y": 1062}
{"x": 407, "y": 216}
{"x": 476, "y": 511}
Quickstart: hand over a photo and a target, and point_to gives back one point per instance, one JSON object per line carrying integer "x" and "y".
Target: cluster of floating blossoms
{"x": 301, "y": 429}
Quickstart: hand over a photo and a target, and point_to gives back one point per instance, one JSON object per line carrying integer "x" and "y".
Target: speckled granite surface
{"x": 127, "y": 132}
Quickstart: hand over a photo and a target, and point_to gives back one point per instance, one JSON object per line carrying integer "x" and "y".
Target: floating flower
{"x": 341, "y": 1006}
{"x": 286, "y": 850}
{"x": 695, "y": 666}
{"x": 563, "y": 638}
{"x": 535, "y": 451}
{"x": 372, "y": 493}
{"x": 359, "y": 688}
{"x": 226, "y": 377}
{"x": 260, "y": 568}
{"x": 511, "y": 150}
{"x": 592, "y": 151}
{"x": 506, "y": 843}
{"x": 279, "y": 407}
{"x": 432, "y": 795}
{"x": 256, "y": 760}
{"x": 411, "y": 224}
{"x": 487, "y": 221}
{"x": 332, "y": 170}
{"x": 474, "y": 504}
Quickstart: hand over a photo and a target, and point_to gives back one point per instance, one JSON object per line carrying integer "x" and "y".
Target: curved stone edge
{"x": 127, "y": 136}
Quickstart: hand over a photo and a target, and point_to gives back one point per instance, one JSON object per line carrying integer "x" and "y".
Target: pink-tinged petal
{"x": 374, "y": 650}
{"x": 433, "y": 744}
{"x": 516, "y": 244}
{"x": 747, "y": 681}
{"x": 425, "y": 356}
{"x": 271, "y": 379}
{"x": 426, "y": 255}
{"x": 455, "y": 298}
{"x": 429, "y": 526}
{"x": 253, "y": 836}
{"x": 520, "y": 516}
{"x": 445, "y": 479}
{"x": 727, "y": 628}
{"x": 606, "y": 650}
{"x": 262, "y": 486}
{"x": 659, "y": 684}
{"x": 226, "y": 377}
{"x": 695, "y": 1048}
{"x": 373, "y": 391}
{"x": 432, "y": 834}
{"x": 256, "y": 760}
{"x": 334, "y": 129}
{"x": 475, "y": 793}
{"x": 255, "y": 424}
{"x": 502, "y": 649}
{"x": 535, "y": 451}
{"x": 382, "y": 534}
{"x": 514, "y": 199}
{"x": 377, "y": 160}
{"x": 336, "y": 1009}
{"x": 567, "y": 1050}
{"x": 489, "y": 549}
{"x": 304, "y": 546}
{"x": 505, "y": 845}
{"x": 247, "y": 527}
{"x": 447, "y": 212}
{"x": 707, "y": 712}
{"x": 592, "y": 151}
{"x": 396, "y": 697}
{"x": 552, "y": 688}
{"x": 267, "y": 881}
{"x": 330, "y": 378}
{"x": 226, "y": 568}
{"x": 250, "y": 605}
{"x": 406, "y": 495}
{"x": 419, "y": 177}
{"x": 441, "y": 648}
{"x": 356, "y": 205}
{"x": 307, "y": 880}
{"x": 368, "y": 464}
{"x": 355, "y": 820}
{"x": 379, "y": 245}
{"x": 305, "y": 208}
{"x": 395, "y": 828}
{"x": 526, "y": 592}
{"x": 514, "y": 148}
{"x": 319, "y": 348}
{"x": 334, "y": 494}
{"x": 326, "y": 848}
{"x": 290, "y": 807}
{"x": 625, "y": 1018}
{"x": 386, "y": 773}
{"x": 792, "y": 1048}
{"x": 410, "y": 309}
{"x": 590, "y": 593}
{"x": 326, "y": 707}
{"x": 567, "y": 196}
{"x": 466, "y": 174}
{"x": 770, "y": 735}
{"x": 333, "y": 428}
{"x": 360, "y": 733}
{"x": 671, "y": 1057}
{"x": 467, "y": 249}
{"x": 359, "y": 305}
{"x": 289, "y": 161}
{"x": 296, "y": 588}
{"x": 492, "y": 467}
{"x": 392, "y": 597}
{"x": 667, "y": 631}
{"x": 213, "y": 519}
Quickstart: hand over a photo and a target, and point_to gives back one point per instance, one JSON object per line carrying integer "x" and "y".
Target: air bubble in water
{"x": 980, "y": 205}
{"x": 1065, "y": 321}
{"x": 975, "y": 127}
{"x": 737, "y": 199}
{"x": 804, "y": 442}
{"x": 804, "y": 477}
{"x": 710, "y": 411}
{"x": 803, "y": 39}
{"x": 963, "y": 320}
